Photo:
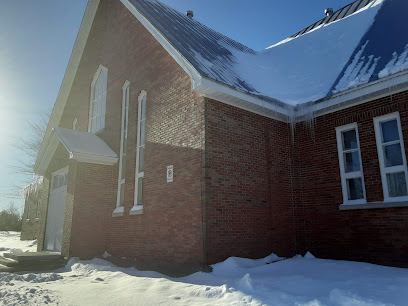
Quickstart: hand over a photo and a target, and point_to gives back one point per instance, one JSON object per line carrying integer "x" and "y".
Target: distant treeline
{"x": 10, "y": 219}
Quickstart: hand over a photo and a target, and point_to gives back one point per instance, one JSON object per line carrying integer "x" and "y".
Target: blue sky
{"x": 36, "y": 39}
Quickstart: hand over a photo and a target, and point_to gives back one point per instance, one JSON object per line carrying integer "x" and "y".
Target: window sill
{"x": 373, "y": 205}
{"x": 118, "y": 212}
{"x": 136, "y": 210}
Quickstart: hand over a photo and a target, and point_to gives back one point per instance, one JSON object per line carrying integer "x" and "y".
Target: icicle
{"x": 32, "y": 188}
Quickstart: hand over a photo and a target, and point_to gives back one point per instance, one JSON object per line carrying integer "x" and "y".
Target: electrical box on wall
{"x": 169, "y": 174}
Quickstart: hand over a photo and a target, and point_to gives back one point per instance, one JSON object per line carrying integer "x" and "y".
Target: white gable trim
{"x": 69, "y": 77}
{"x": 188, "y": 68}
{"x": 209, "y": 87}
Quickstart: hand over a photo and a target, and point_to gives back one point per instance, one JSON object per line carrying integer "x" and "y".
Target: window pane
{"x": 349, "y": 140}
{"x": 352, "y": 162}
{"x": 122, "y": 195}
{"x": 393, "y": 155}
{"x": 123, "y": 167}
{"x": 124, "y": 143}
{"x": 141, "y": 159}
{"x": 140, "y": 191}
{"x": 397, "y": 186}
{"x": 389, "y": 131}
{"x": 355, "y": 189}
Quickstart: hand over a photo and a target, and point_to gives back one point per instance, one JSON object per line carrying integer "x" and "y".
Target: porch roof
{"x": 82, "y": 146}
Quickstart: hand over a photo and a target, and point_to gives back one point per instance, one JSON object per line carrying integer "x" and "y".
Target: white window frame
{"x": 137, "y": 208}
{"x": 350, "y": 175}
{"x": 123, "y": 134}
{"x": 394, "y": 169}
{"x": 64, "y": 170}
{"x": 102, "y": 71}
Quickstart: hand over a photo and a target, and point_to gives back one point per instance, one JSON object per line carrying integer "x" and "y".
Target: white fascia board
{"x": 93, "y": 159}
{"x": 187, "y": 67}
{"x": 231, "y": 96}
{"x": 69, "y": 77}
{"x": 50, "y": 148}
{"x": 375, "y": 90}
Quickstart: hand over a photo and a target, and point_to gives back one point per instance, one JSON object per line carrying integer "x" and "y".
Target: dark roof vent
{"x": 190, "y": 14}
{"x": 328, "y": 12}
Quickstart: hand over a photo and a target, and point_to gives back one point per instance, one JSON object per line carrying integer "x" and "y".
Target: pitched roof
{"x": 210, "y": 52}
{"x": 361, "y": 43}
{"x": 308, "y": 66}
{"x": 339, "y": 14}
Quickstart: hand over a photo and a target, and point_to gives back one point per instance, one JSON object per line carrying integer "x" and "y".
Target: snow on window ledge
{"x": 373, "y": 205}
{"x": 118, "y": 212}
{"x": 136, "y": 210}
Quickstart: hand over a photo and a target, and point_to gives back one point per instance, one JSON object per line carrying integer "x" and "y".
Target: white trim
{"x": 209, "y": 87}
{"x": 272, "y": 109}
{"x": 374, "y": 205}
{"x": 393, "y": 169}
{"x": 125, "y": 113}
{"x": 136, "y": 210}
{"x": 93, "y": 159}
{"x": 68, "y": 80}
{"x": 142, "y": 97}
{"x": 100, "y": 72}
{"x": 356, "y": 174}
{"x": 365, "y": 93}
{"x": 187, "y": 67}
{"x": 118, "y": 212}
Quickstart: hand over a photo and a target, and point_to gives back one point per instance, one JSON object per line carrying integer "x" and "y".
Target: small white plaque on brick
{"x": 169, "y": 174}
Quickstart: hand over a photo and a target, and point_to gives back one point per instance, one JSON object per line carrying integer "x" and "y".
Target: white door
{"x": 56, "y": 211}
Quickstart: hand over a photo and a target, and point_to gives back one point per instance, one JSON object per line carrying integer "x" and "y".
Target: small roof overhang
{"x": 82, "y": 146}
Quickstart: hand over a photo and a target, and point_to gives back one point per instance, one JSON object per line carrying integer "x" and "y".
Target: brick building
{"x": 170, "y": 142}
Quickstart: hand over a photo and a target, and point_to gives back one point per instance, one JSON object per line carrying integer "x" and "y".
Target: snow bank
{"x": 236, "y": 281}
{"x": 10, "y": 243}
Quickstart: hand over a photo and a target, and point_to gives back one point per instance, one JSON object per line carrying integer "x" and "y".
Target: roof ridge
{"x": 337, "y": 15}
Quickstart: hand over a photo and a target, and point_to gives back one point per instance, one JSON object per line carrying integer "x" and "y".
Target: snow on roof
{"x": 383, "y": 49}
{"x": 84, "y": 143}
{"x": 305, "y": 68}
{"x": 332, "y": 55}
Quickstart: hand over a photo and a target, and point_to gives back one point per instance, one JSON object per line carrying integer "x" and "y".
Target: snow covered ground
{"x": 10, "y": 243}
{"x": 236, "y": 281}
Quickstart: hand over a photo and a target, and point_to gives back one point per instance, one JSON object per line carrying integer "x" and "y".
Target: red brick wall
{"x": 248, "y": 181}
{"x": 171, "y": 227}
{"x": 30, "y": 223}
{"x": 377, "y": 235}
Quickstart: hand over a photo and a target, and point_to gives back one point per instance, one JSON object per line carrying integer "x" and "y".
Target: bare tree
{"x": 30, "y": 144}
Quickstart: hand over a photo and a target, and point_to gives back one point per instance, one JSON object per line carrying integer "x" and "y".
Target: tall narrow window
{"x": 28, "y": 208}
{"x": 37, "y": 214}
{"x": 351, "y": 170}
{"x": 391, "y": 154}
{"x": 141, "y": 130}
{"x": 97, "y": 107}
{"x": 123, "y": 148}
